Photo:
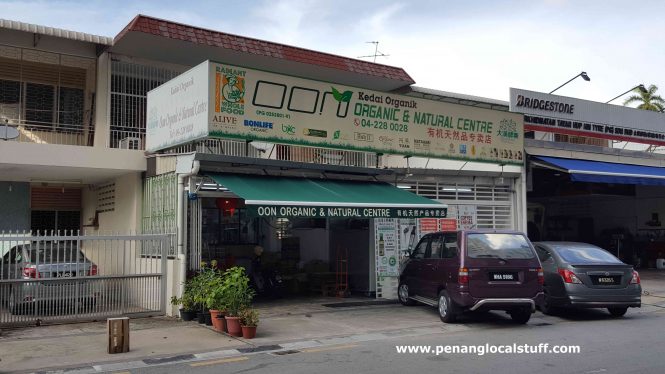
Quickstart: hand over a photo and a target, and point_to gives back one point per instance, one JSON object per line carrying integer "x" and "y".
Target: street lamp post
{"x": 582, "y": 74}
{"x": 639, "y": 86}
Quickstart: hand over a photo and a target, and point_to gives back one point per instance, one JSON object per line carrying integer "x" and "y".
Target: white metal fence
{"x": 49, "y": 279}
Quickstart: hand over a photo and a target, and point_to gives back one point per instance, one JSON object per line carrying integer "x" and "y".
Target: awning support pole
{"x": 180, "y": 209}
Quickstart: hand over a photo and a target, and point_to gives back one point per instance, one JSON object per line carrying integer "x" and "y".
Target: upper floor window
{"x": 44, "y": 91}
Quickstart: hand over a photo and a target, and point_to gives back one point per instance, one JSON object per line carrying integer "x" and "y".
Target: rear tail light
{"x": 636, "y": 278}
{"x": 541, "y": 276}
{"x": 463, "y": 276}
{"x": 569, "y": 277}
{"x": 30, "y": 272}
{"x": 93, "y": 270}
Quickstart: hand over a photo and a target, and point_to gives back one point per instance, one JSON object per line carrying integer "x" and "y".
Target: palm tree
{"x": 648, "y": 99}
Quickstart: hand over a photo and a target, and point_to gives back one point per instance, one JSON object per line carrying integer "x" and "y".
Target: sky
{"x": 472, "y": 47}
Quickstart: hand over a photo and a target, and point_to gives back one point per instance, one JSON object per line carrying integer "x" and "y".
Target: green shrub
{"x": 249, "y": 317}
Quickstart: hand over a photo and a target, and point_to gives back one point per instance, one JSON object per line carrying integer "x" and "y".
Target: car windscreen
{"x": 586, "y": 255}
{"x": 55, "y": 254}
{"x": 503, "y": 246}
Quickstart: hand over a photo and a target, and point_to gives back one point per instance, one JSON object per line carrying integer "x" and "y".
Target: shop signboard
{"x": 428, "y": 225}
{"x": 467, "y": 217}
{"x": 178, "y": 110}
{"x": 252, "y": 104}
{"x": 571, "y": 116}
{"x": 385, "y": 244}
{"x": 448, "y": 224}
{"x": 296, "y": 211}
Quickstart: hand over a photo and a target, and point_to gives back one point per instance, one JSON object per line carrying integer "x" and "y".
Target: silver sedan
{"x": 581, "y": 275}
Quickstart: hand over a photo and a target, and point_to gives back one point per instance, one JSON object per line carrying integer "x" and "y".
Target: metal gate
{"x": 52, "y": 279}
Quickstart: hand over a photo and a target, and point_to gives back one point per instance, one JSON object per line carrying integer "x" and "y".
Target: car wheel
{"x": 546, "y": 307}
{"x": 446, "y": 308}
{"x": 403, "y": 295}
{"x": 520, "y": 315}
{"x": 617, "y": 312}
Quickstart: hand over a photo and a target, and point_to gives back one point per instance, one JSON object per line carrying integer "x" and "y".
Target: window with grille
{"x": 493, "y": 202}
{"x": 130, "y": 83}
{"x": 42, "y": 96}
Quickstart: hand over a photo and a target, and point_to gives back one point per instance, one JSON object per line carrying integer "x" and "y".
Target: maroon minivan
{"x": 473, "y": 270}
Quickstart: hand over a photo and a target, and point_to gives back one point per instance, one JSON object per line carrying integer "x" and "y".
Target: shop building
{"x": 80, "y": 105}
{"x": 581, "y": 186}
{"x": 420, "y": 151}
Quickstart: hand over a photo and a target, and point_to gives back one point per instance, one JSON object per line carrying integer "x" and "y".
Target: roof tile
{"x": 218, "y": 39}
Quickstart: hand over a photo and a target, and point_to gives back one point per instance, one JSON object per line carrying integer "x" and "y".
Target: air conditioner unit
{"x": 130, "y": 142}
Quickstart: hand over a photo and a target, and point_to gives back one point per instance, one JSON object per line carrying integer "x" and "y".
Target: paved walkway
{"x": 289, "y": 323}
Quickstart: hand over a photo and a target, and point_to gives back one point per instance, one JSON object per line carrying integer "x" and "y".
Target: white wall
{"x": 126, "y": 216}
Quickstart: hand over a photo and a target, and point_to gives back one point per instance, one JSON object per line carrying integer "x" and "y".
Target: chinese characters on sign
{"x": 258, "y": 105}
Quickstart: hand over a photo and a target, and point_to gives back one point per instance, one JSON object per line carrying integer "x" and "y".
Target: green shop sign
{"x": 290, "y": 211}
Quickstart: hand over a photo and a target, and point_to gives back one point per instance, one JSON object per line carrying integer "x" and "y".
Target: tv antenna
{"x": 377, "y": 53}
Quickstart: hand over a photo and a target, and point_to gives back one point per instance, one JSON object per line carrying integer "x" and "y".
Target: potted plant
{"x": 249, "y": 319}
{"x": 216, "y": 302}
{"x": 187, "y": 311}
{"x": 238, "y": 296}
{"x": 202, "y": 285}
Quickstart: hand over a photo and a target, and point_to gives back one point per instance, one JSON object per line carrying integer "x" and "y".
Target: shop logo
{"x": 258, "y": 125}
{"x": 462, "y": 149}
{"x": 508, "y": 130}
{"x": 421, "y": 144}
{"x": 342, "y": 97}
{"x": 288, "y": 129}
{"x": 363, "y": 137}
{"x": 315, "y": 133}
{"x": 233, "y": 88}
{"x": 392, "y": 261}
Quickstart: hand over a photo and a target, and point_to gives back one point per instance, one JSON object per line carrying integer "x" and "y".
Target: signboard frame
{"x": 249, "y": 104}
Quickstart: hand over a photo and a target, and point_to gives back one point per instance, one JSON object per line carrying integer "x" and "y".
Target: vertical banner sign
{"x": 385, "y": 244}
{"x": 220, "y": 100}
{"x": 467, "y": 216}
{"x": 408, "y": 238}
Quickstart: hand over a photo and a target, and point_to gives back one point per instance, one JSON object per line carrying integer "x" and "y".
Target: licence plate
{"x": 607, "y": 280}
{"x": 65, "y": 274}
{"x": 503, "y": 277}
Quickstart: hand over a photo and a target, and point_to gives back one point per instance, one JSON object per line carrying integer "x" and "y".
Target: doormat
{"x": 360, "y": 303}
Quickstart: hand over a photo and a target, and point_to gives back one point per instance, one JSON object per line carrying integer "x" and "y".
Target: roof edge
{"x": 55, "y": 32}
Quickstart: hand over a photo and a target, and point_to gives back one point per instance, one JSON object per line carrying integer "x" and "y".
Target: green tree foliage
{"x": 648, "y": 100}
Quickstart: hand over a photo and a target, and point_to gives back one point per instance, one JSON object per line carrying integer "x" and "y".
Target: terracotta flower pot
{"x": 218, "y": 321}
{"x": 233, "y": 326}
{"x": 248, "y": 332}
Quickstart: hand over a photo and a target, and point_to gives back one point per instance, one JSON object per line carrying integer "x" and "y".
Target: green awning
{"x": 305, "y": 197}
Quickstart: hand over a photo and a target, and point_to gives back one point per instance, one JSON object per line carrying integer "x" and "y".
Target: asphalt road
{"x": 633, "y": 344}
